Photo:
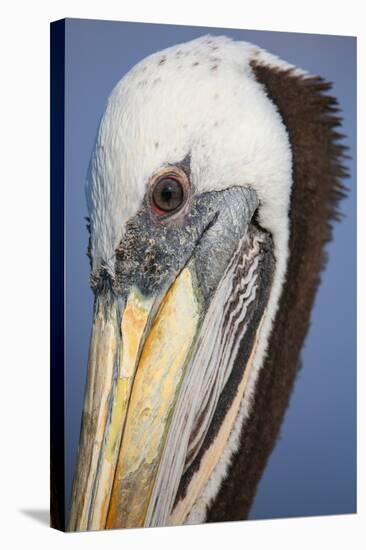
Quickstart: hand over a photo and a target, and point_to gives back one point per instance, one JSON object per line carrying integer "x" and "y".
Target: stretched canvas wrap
{"x": 203, "y": 275}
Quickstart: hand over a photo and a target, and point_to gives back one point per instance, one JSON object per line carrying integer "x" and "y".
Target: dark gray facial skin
{"x": 153, "y": 251}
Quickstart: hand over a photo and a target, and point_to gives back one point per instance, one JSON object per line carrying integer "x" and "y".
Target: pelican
{"x": 211, "y": 191}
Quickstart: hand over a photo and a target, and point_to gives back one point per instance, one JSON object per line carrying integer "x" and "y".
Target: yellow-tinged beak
{"x": 137, "y": 362}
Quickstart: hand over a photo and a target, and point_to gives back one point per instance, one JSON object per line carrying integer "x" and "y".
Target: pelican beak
{"x": 136, "y": 364}
{"x": 141, "y": 344}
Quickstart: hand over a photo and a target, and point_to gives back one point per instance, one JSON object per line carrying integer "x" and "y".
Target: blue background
{"x": 312, "y": 470}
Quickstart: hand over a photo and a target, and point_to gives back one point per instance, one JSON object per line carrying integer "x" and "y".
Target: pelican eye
{"x": 169, "y": 192}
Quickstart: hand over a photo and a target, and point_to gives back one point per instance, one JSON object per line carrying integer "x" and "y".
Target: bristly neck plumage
{"x": 311, "y": 119}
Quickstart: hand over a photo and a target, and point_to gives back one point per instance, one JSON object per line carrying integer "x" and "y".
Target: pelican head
{"x": 210, "y": 189}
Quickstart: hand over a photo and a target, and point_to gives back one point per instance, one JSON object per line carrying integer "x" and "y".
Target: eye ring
{"x": 169, "y": 191}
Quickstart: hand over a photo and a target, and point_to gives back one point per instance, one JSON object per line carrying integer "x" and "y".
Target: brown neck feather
{"x": 311, "y": 118}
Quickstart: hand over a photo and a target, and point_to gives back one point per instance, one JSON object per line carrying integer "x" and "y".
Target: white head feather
{"x": 201, "y": 98}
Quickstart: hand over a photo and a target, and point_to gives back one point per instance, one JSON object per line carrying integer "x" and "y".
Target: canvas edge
{"x": 57, "y": 385}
